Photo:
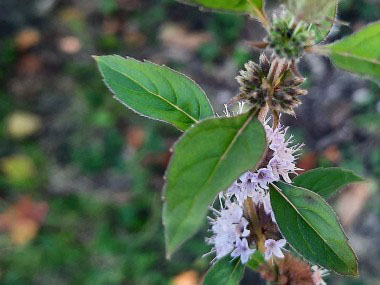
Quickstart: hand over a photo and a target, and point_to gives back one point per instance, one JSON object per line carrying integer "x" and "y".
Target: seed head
{"x": 271, "y": 82}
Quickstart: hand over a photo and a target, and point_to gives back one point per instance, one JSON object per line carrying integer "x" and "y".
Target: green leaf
{"x": 257, "y": 4}
{"x": 206, "y": 160}
{"x": 225, "y": 271}
{"x": 323, "y": 28}
{"x": 358, "y": 53}
{"x": 239, "y": 6}
{"x": 326, "y": 181}
{"x": 256, "y": 260}
{"x": 311, "y": 227}
{"x": 157, "y": 92}
{"x": 311, "y": 11}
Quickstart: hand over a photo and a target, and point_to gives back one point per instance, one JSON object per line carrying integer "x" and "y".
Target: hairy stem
{"x": 263, "y": 113}
{"x": 276, "y": 119}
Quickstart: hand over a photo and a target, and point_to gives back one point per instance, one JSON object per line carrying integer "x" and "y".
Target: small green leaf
{"x": 311, "y": 227}
{"x": 256, "y": 260}
{"x": 358, "y": 53}
{"x": 239, "y": 6}
{"x": 157, "y": 92}
{"x": 311, "y": 11}
{"x": 225, "y": 271}
{"x": 326, "y": 181}
{"x": 206, "y": 160}
{"x": 323, "y": 28}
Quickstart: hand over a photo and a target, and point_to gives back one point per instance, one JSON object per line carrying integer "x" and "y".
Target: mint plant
{"x": 239, "y": 168}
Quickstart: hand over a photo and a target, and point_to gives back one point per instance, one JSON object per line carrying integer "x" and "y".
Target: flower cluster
{"x": 281, "y": 159}
{"x": 230, "y": 232}
{"x": 231, "y": 229}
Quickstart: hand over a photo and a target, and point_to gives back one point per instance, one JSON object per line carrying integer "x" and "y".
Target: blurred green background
{"x": 81, "y": 175}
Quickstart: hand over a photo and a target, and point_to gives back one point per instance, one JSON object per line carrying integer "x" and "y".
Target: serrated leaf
{"x": 157, "y": 92}
{"x": 358, "y": 53}
{"x": 206, "y": 160}
{"x": 326, "y": 181}
{"x": 239, "y": 6}
{"x": 311, "y": 227}
{"x": 225, "y": 271}
{"x": 256, "y": 260}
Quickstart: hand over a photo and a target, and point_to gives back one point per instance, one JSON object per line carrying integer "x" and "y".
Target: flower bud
{"x": 288, "y": 37}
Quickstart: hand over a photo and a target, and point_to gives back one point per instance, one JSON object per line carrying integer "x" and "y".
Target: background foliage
{"x": 80, "y": 176}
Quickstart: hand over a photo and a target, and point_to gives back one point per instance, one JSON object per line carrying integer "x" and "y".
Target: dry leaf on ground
{"x": 23, "y": 220}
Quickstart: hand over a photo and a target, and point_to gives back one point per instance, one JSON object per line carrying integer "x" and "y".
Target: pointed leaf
{"x": 239, "y": 6}
{"x": 206, "y": 160}
{"x": 358, "y": 53}
{"x": 311, "y": 11}
{"x": 157, "y": 92}
{"x": 225, "y": 271}
{"x": 326, "y": 181}
{"x": 311, "y": 227}
{"x": 323, "y": 28}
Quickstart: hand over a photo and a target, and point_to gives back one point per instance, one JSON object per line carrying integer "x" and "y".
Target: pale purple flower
{"x": 318, "y": 274}
{"x": 242, "y": 249}
{"x": 281, "y": 168}
{"x": 233, "y": 214}
{"x": 266, "y": 203}
{"x": 249, "y": 182}
{"x": 263, "y": 177}
{"x": 274, "y": 247}
{"x": 238, "y": 189}
{"x": 223, "y": 246}
{"x": 283, "y": 163}
{"x": 235, "y": 189}
{"x": 250, "y": 186}
{"x": 241, "y": 228}
{"x": 228, "y": 226}
{"x": 277, "y": 140}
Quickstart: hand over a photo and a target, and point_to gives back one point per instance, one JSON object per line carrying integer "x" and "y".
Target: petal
{"x": 236, "y": 252}
{"x": 269, "y": 242}
{"x": 277, "y": 252}
{"x": 245, "y": 233}
{"x": 268, "y": 254}
{"x": 244, "y": 257}
{"x": 281, "y": 242}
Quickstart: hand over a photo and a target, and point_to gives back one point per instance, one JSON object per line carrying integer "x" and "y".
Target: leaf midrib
{"x": 233, "y": 271}
{"x": 360, "y": 42}
{"x": 238, "y": 133}
{"x": 152, "y": 93}
{"x": 357, "y": 57}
